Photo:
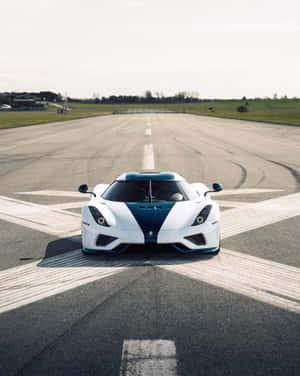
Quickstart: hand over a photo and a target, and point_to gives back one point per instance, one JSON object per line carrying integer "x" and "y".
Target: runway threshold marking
{"x": 243, "y": 191}
{"x": 148, "y": 159}
{"x": 53, "y": 193}
{"x": 259, "y": 214}
{"x": 263, "y": 280}
{"x": 267, "y": 281}
{"x": 39, "y": 217}
{"x": 225, "y": 192}
{"x": 231, "y": 204}
{"x": 148, "y": 358}
{"x": 69, "y": 205}
{"x": 32, "y": 282}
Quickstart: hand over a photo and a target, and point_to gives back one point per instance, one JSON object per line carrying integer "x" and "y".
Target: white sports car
{"x": 150, "y": 208}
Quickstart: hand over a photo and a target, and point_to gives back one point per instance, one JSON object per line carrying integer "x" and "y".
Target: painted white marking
{"x": 39, "y": 217}
{"x": 243, "y": 191}
{"x": 231, "y": 204}
{"x": 30, "y": 283}
{"x": 148, "y": 358}
{"x": 80, "y": 195}
{"x": 148, "y": 132}
{"x": 263, "y": 280}
{"x": 259, "y": 214}
{"x": 70, "y": 205}
{"x": 257, "y": 278}
{"x": 148, "y": 160}
{"x": 53, "y": 193}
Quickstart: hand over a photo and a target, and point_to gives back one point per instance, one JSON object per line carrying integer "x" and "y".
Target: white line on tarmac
{"x": 148, "y": 159}
{"x": 263, "y": 280}
{"x": 148, "y": 358}
{"x": 30, "y": 283}
{"x": 70, "y": 205}
{"x": 39, "y": 217}
{"x": 231, "y": 204}
{"x": 257, "y": 278}
{"x": 243, "y": 191}
{"x": 148, "y": 132}
{"x": 259, "y": 214}
{"x": 215, "y": 195}
{"x": 53, "y": 193}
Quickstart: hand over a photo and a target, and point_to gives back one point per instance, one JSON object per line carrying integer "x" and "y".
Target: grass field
{"x": 283, "y": 111}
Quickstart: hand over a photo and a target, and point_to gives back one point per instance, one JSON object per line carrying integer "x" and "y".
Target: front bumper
{"x": 180, "y": 240}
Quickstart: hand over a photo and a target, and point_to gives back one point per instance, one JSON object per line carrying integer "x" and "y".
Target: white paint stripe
{"x": 79, "y": 195}
{"x": 148, "y": 132}
{"x": 252, "y": 216}
{"x": 39, "y": 217}
{"x": 231, "y": 204}
{"x": 260, "y": 279}
{"x": 243, "y": 191}
{"x": 148, "y": 358}
{"x": 53, "y": 193}
{"x": 30, "y": 283}
{"x": 68, "y": 205}
{"x": 148, "y": 160}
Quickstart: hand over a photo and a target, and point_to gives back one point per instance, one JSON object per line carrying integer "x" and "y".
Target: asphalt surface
{"x": 216, "y": 330}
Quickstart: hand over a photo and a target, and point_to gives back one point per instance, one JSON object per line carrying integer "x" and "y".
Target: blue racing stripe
{"x": 150, "y": 217}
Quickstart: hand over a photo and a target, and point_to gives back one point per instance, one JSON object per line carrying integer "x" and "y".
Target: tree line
{"x": 148, "y": 98}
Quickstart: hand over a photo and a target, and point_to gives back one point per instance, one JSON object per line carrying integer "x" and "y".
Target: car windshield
{"x": 149, "y": 191}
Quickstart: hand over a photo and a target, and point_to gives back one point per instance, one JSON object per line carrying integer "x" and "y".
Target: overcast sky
{"x": 219, "y": 48}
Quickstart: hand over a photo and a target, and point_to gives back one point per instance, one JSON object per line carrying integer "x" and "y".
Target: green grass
{"x": 283, "y": 111}
{"x": 10, "y": 119}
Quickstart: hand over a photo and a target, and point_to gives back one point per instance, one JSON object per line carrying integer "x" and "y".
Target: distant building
{"x": 27, "y": 101}
{"x": 29, "y": 104}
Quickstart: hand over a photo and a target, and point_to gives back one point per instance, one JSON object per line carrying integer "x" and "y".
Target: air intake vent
{"x": 104, "y": 240}
{"x": 197, "y": 239}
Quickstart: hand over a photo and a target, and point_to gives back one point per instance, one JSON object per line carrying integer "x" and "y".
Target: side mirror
{"x": 83, "y": 188}
{"x": 216, "y": 188}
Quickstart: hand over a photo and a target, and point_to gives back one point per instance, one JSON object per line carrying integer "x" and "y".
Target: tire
{"x": 85, "y": 253}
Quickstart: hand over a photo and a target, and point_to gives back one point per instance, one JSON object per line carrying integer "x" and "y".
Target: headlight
{"x": 202, "y": 216}
{"x": 98, "y": 217}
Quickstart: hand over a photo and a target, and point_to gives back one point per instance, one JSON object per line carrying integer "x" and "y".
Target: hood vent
{"x": 151, "y": 207}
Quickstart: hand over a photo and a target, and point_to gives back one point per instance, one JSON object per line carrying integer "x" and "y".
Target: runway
{"x": 150, "y": 311}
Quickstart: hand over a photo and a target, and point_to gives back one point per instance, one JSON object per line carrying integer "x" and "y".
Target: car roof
{"x": 130, "y": 176}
